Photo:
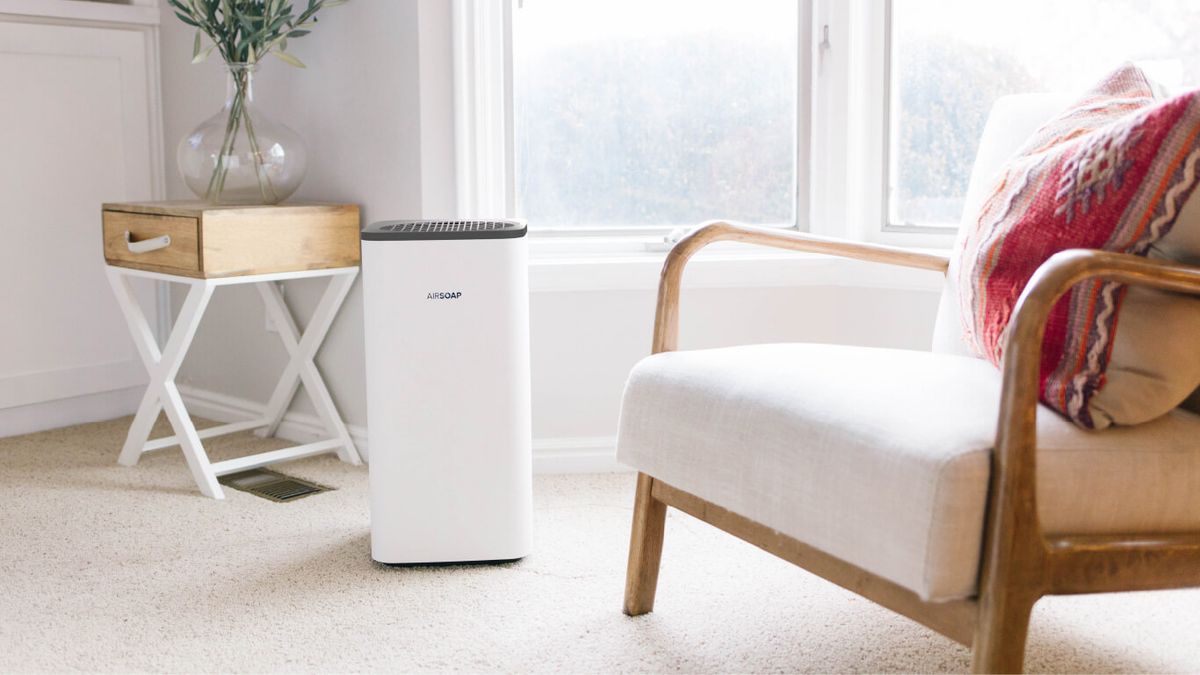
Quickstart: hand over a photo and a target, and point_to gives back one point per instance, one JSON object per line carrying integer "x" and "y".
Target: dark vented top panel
{"x": 416, "y": 230}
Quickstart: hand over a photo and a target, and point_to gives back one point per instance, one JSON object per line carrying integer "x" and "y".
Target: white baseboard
{"x": 27, "y": 419}
{"x": 296, "y": 426}
{"x": 584, "y": 454}
{"x": 576, "y": 454}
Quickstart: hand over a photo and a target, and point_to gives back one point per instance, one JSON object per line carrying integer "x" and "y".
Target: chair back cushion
{"x": 1013, "y": 119}
{"x": 1112, "y": 172}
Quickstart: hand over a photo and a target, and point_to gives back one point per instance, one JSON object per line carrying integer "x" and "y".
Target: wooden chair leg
{"x": 999, "y": 644}
{"x": 645, "y": 548}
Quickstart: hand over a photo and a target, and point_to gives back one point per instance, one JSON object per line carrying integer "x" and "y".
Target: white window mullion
{"x": 852, "y": 124}
{"x": 867, "y": 118}
{"x": 483, "y": 108}
{"x": 830, "y": 111}
{"x": 806, "y": 41}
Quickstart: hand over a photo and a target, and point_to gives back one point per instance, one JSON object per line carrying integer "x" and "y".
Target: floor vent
{"x": 272, "y": 485}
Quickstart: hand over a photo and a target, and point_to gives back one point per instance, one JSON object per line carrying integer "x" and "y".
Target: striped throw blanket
{"x": 1110, "y": 173}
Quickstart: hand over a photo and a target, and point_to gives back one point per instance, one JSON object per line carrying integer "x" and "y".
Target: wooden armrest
{"x": 1015, "y": 436}
{"x": 1015, "y": 540}
{"x": 666, "y": 320}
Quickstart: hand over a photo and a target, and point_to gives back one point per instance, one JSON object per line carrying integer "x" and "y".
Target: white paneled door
{"x": 78, "y": 127}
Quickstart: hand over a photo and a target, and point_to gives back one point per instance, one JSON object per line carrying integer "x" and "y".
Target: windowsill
{"x": 572, "y": 264}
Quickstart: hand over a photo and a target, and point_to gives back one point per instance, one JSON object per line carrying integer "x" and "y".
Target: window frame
{"x": 853, "y": 128}
{"x": 884, "y": 80}
{"x": 890, "y": 133}
{"x": 842, "y": 126}
{"x": 485, "y": 123}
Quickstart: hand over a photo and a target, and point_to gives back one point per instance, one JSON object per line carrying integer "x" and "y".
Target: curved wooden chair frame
{"x": 1020, "y": 564}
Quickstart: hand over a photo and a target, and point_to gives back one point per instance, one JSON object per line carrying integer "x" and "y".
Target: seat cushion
{"x": 881, "y": 457}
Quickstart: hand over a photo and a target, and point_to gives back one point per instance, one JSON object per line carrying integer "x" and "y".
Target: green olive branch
{"x": 245, "y": 31}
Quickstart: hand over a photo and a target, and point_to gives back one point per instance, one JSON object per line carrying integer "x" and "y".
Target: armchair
{"x": 928, "y": 483}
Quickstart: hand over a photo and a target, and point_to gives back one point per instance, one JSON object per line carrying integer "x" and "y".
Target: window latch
{"x": 669, "y": 239}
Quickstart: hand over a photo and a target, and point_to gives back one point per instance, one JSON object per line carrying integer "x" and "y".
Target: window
{"x": 951, "y": 61}
{"x": 634, "y": 114}
{"x": 620, "y": 117}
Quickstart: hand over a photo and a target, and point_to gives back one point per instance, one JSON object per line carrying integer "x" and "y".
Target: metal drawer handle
{"x": 146, "y": 245}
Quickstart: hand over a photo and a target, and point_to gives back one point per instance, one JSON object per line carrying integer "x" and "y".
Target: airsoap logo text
{"x": 452, "y": 295}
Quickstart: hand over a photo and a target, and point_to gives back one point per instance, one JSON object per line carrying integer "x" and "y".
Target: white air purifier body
{"x": 446, "y": 313}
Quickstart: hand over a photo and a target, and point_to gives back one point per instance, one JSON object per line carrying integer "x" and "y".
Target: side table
{"x": 163, "y": 242}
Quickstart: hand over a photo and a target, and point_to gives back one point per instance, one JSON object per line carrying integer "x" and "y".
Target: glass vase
{"x": 240, "y": 155}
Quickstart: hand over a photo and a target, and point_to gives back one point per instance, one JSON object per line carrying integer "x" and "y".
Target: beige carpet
{"x": 106, "y": 568}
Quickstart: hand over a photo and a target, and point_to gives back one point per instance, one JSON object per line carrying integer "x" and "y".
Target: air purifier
{"x": 446, "y": 314}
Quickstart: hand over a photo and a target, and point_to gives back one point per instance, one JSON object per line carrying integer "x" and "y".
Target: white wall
{"x": 355, "y": 104}
{"x": 375, "y": 107}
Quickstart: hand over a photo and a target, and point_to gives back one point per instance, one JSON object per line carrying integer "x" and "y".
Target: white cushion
{"x": 1012, "y": 120}
{"x": 881, "y": 457}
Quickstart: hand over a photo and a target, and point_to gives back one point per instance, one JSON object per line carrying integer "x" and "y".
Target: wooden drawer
{"x": 180, "y": 256}
{"x": 221, "y": 241}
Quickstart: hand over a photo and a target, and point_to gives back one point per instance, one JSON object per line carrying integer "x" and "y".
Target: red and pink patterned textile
{"x": 1110, "y": 173}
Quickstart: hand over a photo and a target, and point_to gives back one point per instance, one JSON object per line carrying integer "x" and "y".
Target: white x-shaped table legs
{"x": 301, "y": 367}
{"x": 162, "y": 366}
{"x": 161, "y": 392}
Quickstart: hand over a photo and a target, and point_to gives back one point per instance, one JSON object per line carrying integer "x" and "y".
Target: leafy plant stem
{"x": 264, "y": 180}
{"x": 239, "y": 119}
{"x": 217, "y": 180}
